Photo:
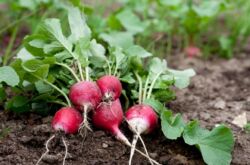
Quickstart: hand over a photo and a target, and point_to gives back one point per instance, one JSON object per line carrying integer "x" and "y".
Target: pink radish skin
{"x": 141, "y": 119}
{"x": 68, "y": 120}
{"x": 86, "y": 96}
{"x": 192, "y": 51}
{"x": 110, "y": 87}
{"x": 108, "y": 116}
{"x": 85, "y": 93}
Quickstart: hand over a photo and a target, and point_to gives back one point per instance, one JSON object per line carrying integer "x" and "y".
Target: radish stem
{"x": 47, "y": 149}
{"x": 140, "y": 87}
{"x": 145, "y": 88}
{"x": 56, "y": 88}
{"x": 71, "y": 71}
{"x": 80, "y": 70}
{"x": 152, "y": 85}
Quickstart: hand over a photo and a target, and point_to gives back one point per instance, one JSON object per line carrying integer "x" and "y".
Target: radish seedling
{"x": 86, "y": 96}
{"x": 67, "y": 120}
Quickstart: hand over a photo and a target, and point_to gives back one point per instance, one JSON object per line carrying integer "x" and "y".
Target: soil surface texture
{"x": 217, "y": 94}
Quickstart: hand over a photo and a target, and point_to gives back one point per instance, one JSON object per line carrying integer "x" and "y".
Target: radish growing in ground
{"x": 141, "y": 119}
{"x": 86, "y": 95}
{"x": 67, "y": 120}
{"x": 192, "y": 51}
{"x": 110, "y": 87}
{"x": 108, "y": 116}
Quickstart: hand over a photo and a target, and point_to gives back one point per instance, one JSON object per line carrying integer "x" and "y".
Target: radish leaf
{"x": 215, "y": 146}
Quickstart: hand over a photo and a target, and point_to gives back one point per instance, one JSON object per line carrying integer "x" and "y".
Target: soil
{"x": 218, "y": 93}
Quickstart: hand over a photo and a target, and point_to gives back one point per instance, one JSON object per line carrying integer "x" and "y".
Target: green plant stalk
{"x": 17, "y": 22}
{"x": 7, "y": 54}
{"x": 71, "y": 71}
{"x": 80, "y": 69}
{"x": 56, "y": 88}
{"x": 58, "y": 102}
{"x": 140, "y": 88}
{"x": 152, "y": 85}
{"x": 109, "y": 67}
{"x": 87, "y": 71}
{"x": 145, "y": 89}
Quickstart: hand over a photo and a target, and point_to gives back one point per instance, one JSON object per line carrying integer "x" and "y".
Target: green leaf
{"x": 215, "y": 146}
{"x": 182, "y": 78}
{"x": 79, "y": 28}
{"x": 118, "y": 39}
{"x": 54, "y": 31}
{"x": 136, "y": 50}
{"x": 24, "y": 55}
{"x": 32, "y": 65}
{"x": 155, "y": 104}
{"x": 163, "y": 95}
{"x": 171, "y": 126}
{"x": 18, "y": 104}
{"x": 130, "y": 21}
{"x": 9, "y": 76}
{"x": 128, "y": 78}
{"x": 41, "y": 87}
{"x": 156, "y": 65}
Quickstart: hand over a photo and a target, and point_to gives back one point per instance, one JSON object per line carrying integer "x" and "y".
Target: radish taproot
{"x": 67, "y": 120}
{"x": 109, "y": 116}
{"x": 141, "y": 119}
{"x": 86, "y": 96}
{"x": 110, "y": 87}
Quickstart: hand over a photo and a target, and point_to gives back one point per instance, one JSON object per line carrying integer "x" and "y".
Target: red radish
{"x": 108, "y": 116}
{"x": 141, "y": 119}
{"x": 86, "y": 95}
{"x": 110, "y": 87}
{"x": 67, "y": 120}
{"x": 192, "y": 51}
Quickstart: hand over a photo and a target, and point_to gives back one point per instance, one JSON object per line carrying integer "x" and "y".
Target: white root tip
{"x": 135, "y": 138}
{"x": 47, "y": 149}
{"x": 66, "y": 150}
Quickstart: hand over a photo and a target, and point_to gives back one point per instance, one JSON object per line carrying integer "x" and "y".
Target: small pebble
{"x": 104, "y": 145}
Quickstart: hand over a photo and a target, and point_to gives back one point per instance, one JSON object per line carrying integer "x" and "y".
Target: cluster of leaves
{"x": 215, "y": 145}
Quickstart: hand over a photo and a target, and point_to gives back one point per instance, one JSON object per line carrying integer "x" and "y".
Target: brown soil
{"x": 219, "y": 92}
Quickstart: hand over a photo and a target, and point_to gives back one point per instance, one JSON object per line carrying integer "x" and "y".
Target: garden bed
{"x": 217, "y": 94}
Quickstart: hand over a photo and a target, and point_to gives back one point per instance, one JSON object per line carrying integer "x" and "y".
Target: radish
{"x": 141, "y": 119}
{"x": 109, "y": 117}
{"x": 192, "y": 51}
{"x": 110, "y": 87}
{"x": 85, "y": 95}
{"x": 66, "y": 120}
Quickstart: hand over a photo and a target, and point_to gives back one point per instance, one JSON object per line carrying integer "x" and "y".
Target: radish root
{"x": 47, "y": 149}
{"x": 135, "y": 139}
{"x": 146, "y": 151}
{"x": 66, "y": 150}
{"x": 84, "y": 126}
